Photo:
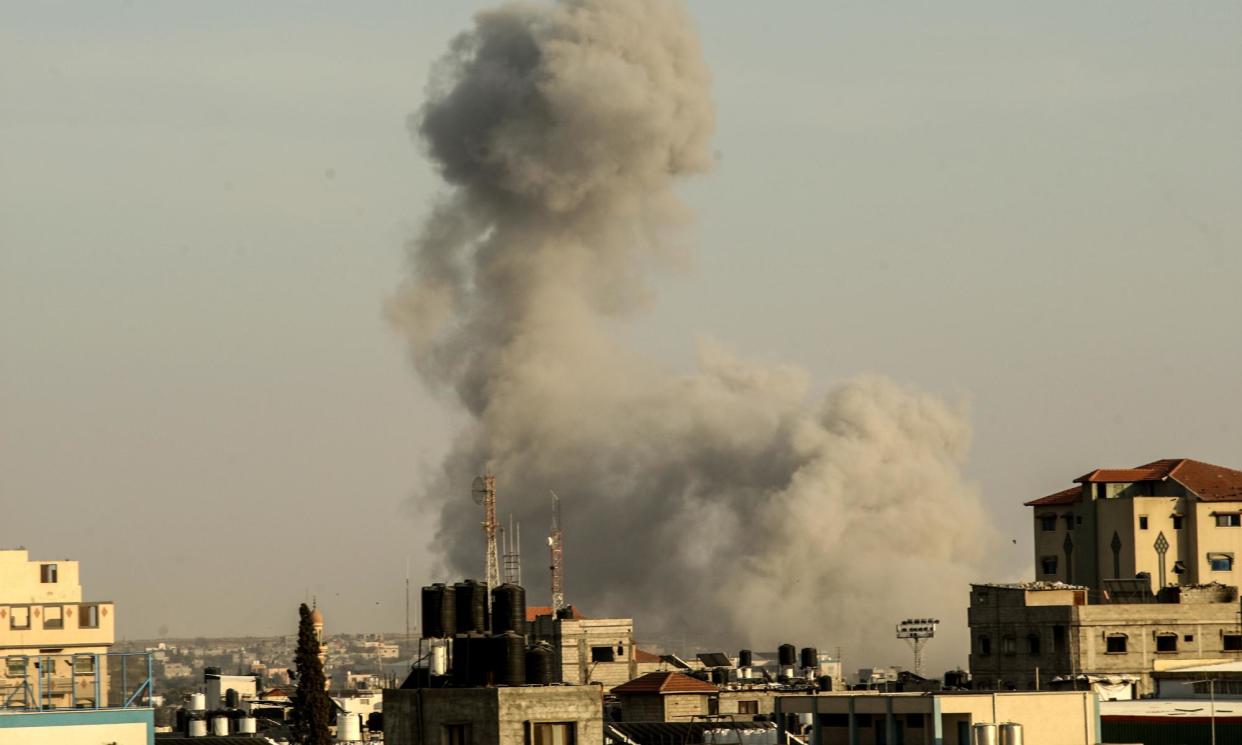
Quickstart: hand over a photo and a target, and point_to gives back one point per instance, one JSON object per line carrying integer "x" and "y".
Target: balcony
{"x": 74, "y": 682}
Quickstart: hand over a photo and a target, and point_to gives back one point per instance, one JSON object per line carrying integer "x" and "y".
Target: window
{"x": 747, "y": 707}
{"x": 553, "y": 733}
{"x": 602, "y": 654}
{"x": 1009, "y": 645}
{"x": 1220, "y": 562}
{"x": 1228, "y": 520}
{"x": 834, "y": 720}
{"x": 1166, "y": 642}
{"x": 1032, "y": 645}
{"x": 88, "y": 617}
{"x": 84, "y": 664}
{"x": 47, "y": 573}
{"x": 1101, "y": 491}
{"x": 1116, "y": 644}
{"x": 1048, "y": 564}
{"x": 914, "y": 721}
{"x": 15, "y": 667}
{"x": 1058, "y": 639}
{"x": 1047, "y": 523}
{"x": 53, "y": 617}
{"x": 1078, "y": 520}
{"x": 1142, "y": 522}
{"x": 1177, "y": 522}
{"x": 1188, "y": 638}
{"x": 1233, "y": 642}
{"x": 985, "y": 646}
{"x": 456, "y": 734}
{"x": 19, "y": 617}
{"x": 1069, "y": 522}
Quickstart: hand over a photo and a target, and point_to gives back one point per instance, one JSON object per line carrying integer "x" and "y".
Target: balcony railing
{"x": 75, "y": 681}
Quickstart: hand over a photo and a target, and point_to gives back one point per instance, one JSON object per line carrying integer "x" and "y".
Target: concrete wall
{"x": 575, "y": 638}
{"x": 495, "y": 716}
{"x": 646, "y": 707}
{"x": 680, "y": 707}
{"x": 20, "y": 579}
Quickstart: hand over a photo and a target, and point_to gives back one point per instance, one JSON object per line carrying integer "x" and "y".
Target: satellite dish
{"x": 478, "y": 490}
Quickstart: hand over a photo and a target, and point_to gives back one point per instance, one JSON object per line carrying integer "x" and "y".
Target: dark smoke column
{"x": 721, "y": 502}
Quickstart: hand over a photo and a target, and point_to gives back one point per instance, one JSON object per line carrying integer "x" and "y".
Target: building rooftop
{"x": 665, "y": 683}
{"x": 1208, "y": 482}
{"x": 534, "y": 611}
{"x": 1036, "y": 585}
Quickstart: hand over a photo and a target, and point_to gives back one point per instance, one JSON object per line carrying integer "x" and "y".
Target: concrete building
{"x": 1176, "y": 521}
{"x": 591, "y": 650}
{"x": 59, "y": 685}
{"x": 42, "y": 613}
{"x": 1038, "y": 635}
{"x": 869, "y": 718}
{"x": 665, "y": 697}
{"x": 529, "y": 715}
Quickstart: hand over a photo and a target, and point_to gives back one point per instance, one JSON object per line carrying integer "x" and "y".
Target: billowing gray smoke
{"x": 721, "y": 505}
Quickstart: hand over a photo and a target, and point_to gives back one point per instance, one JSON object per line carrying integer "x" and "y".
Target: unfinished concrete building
{"x": 534, "y": 715}
{"x": 1046, "y": 635}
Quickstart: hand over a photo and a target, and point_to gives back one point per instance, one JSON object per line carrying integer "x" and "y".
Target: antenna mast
{"x": 484, "y": 492}
{"x": 556, "y": 549}
{"x": 513, "y": 553}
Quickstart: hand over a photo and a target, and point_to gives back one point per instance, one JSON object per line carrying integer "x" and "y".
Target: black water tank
{"x": 471, "y": 660}
{"x": 744, "y": 658}
{"x": 232, "y": 699}
{"x": 509, "y": 609}
{"x": 787, "y": 655}
{"x": 699, "y": 675}
{"x": 509, "y": 659}
{"x": 825, "y": 682}
{"x": 540, "y": 661}
{"x": 810, "y": 657}
{"x": 461, "y": 660}
{"x": 720, "y": 676}
{"x": 471, "y": 605}
{"x": 448, "y": 610}
{"x": 433, "y": 611}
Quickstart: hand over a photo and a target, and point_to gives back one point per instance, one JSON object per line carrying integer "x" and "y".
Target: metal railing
{"x": 45, "y": 682}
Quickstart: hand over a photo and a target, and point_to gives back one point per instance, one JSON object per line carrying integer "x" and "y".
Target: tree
{"x": 311, "y": 706}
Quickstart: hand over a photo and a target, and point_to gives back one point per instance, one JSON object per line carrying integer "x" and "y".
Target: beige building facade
{"x": 49, "y": 632}
{"x": 1175, "y": 521}
{"x": 868, "y": 718}
{"x": 524, "y": 715}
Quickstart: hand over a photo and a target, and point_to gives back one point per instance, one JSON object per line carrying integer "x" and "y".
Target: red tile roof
{"x": 642, "y": 655}
{"x": 665, "y": 683}
{"x": 1207, "y": 482}
{"x": 546, "y": 610}
{"x": 1069, "y": 496}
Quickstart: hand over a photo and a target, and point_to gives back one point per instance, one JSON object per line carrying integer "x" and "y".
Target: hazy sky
{"x": 203, "y": 208}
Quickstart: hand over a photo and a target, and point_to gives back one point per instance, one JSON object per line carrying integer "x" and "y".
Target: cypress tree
{"x": 311, "y": 706}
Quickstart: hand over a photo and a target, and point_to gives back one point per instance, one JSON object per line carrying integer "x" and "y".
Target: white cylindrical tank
{"x": 246, "y": 726}
{"x": 220, "y": 726}
{"x": 439, "y": 659}
{"x": 983, "y": 733}
{"x": 1010, "y": 733}
{"x": 348, "y": 727}
{"x": 197, "y": 728}
{"x": 198, "y": 702}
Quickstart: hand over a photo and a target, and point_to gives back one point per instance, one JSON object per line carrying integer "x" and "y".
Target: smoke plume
{"x": 723, "y": 505}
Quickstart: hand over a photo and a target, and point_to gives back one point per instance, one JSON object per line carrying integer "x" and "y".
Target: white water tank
{"x": 220, "y": 726}
{"x": 198, "y": 702}
{"x": 1010, "y": 733}
{"x": 197, "y": 728}
{"x": 348, "y": 727}
{"x": 246, "y": 726}
{"x": 983, "y": 733}
{"x": 439, "y": 659}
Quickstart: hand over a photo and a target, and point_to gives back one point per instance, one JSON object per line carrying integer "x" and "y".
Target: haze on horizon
{"x": 202, "y": 211}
